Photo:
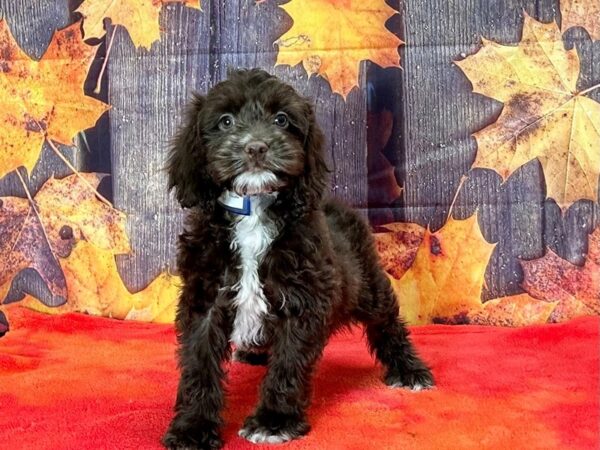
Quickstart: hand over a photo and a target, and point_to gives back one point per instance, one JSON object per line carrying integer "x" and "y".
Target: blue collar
{"x": 246, "y": 205}
{"x": 236, "y": 204}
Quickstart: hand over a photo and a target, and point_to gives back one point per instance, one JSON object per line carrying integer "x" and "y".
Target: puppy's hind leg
{"x": 389, "y": 338}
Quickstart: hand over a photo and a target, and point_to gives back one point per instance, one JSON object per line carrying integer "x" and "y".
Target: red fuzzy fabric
{"x": 79, "y": 382}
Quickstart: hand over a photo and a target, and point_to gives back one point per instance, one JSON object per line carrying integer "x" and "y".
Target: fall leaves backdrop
{"x": 469, "y": 136}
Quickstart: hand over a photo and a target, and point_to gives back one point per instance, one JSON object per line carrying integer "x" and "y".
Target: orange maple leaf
{"x": 95, "y": 287}
{"x": 513, "y": 311}
{"x": 332, "y": 37}
{"x": 581, "y": 13}
{"x": 446, "y": 279}
{"x": 37, "y": 236}
{"x": 544, "y": 115}
{"x": 139, "y": 17}
{"x": 447, "y": 276}
{"x": 43, "y": 99}
{"x": 577, "y": 289}
{"x": 397, "y": 245}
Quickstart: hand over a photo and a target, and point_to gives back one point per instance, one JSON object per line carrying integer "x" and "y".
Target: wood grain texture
{"x": 439, "y": 113}
{"x": 148, "y": 91}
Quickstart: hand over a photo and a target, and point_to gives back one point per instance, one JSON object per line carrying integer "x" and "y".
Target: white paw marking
{"x": 415, "y": 387}
{"x": 262, "y": 437}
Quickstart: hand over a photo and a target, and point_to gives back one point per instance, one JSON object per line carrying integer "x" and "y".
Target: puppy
{"x": 267, "y": 263}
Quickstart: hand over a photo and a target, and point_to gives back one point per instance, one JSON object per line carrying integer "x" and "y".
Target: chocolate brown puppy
{"x": 268, "y": 263}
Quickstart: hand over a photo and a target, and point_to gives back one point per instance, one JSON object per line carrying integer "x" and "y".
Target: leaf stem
{"x": 110, "y": 43}
{"x": 460, "y": 184}
{"x": 76, "y": 172}
{"x": 27, "y": 193}
{"x": 596, "y": 86}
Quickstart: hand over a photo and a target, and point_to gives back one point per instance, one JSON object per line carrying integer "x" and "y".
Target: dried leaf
{"x": 25, "y": 244}
{"x": 67, "y": 210}
{"x": 581, "y": 13}
{"x": 577, "y": 289}
{"x": 514, "y": 311}
{"x": 43, "y": 99}
{"x": 568, "y": 309}
{"x": 95, "y": 287}
{"x": 331, "y": 37}
{"x": 447, "y": 276}
{"x": 397, "y": 245}
{"x": 68, "y": 202}
{"x": 139, "y": 17}
{"x": 544, "y": 116}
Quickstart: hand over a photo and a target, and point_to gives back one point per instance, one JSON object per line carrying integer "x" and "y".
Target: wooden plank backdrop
{"x": 434, "y": 114}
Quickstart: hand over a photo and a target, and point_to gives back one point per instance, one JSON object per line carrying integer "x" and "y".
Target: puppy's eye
{"x": 226, "y": 121}
{"x": 281, "y": 120}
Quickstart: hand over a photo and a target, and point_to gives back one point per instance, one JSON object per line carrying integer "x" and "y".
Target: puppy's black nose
{"x": 256, "y": 149}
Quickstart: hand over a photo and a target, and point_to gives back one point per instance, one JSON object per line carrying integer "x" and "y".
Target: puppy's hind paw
{"x": 416, "y": 380}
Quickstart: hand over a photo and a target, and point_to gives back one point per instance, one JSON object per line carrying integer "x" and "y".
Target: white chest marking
{"x": 252, "y": 237}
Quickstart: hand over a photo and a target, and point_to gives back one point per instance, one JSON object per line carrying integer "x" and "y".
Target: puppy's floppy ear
{"x": 307, "y": 193}
{"x": 186, "y": 166}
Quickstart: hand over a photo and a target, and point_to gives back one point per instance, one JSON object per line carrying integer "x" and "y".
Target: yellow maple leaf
{"x": 581, "y": 13}
{"x": 139, "y": 17}
{"x": 447, "y": 275}
{"x": 332, "y": 37}
{"x": 195, "y": 4}
{"x": 95, "y": 287}
{"x": 43, "y": 99}
{"x": 544, "y": 116}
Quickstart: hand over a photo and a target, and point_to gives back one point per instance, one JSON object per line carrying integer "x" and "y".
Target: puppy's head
{"x": 252, "y": 134}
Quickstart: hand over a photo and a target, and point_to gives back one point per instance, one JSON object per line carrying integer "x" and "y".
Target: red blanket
{"x": 79, "y": 382}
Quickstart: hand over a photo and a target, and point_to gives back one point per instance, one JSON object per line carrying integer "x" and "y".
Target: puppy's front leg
{"x": 204, "y": 345}
{"x": 285, "y": 391}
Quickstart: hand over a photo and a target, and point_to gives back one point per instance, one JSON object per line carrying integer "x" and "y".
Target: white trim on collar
{"x": 243, "y": 205}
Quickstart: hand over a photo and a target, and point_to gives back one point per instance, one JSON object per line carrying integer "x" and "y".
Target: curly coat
{"x": 319, "y": 273}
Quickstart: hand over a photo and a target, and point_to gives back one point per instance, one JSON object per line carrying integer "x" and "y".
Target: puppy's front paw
{"x": 271, "y": 427}
{"x": 198, "y": 437}
{"x": 415, "y": 380}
